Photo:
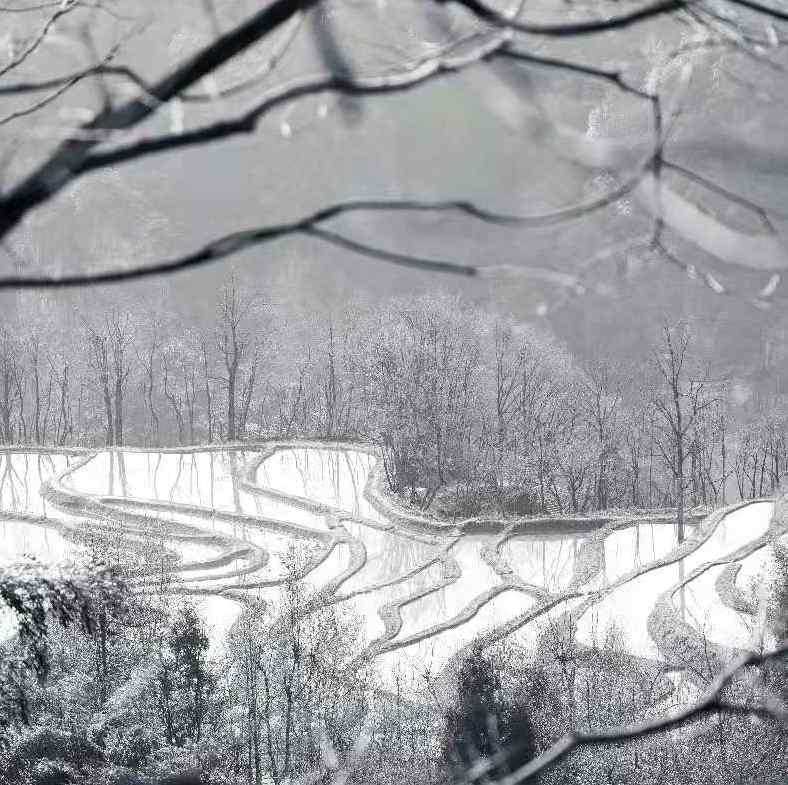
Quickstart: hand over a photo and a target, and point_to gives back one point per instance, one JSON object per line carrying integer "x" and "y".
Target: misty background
{"x": 453, "y": 138}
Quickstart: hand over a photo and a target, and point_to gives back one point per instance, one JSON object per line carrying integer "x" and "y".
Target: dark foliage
{"x": 483, "y": 724}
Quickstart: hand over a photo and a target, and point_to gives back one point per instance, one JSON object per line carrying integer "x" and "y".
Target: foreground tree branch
{"x": 58, "y": 170}
{"x": 70, "y": 157}
{"x": 312, "y": 226}
{"x": 709, "y": 702}
{"x": 489, "y": 41}
{"x": 587, "y": 27}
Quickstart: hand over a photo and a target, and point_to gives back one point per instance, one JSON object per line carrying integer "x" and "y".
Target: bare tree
{"x": 299, "y": 679}
{"x": 206, "y": 379}
{"x": 111, "y": 363}
{"x": 601, "y": 402}
{"x": 149, "y": 386}
{"x": 121, "y": 337}
{"x": 64, "y": 424}
{"x": 9, "y": 388}
{"x": 239, "y": 356}
{"x": 681, "y": 397}
{"x": 173, "y": 399}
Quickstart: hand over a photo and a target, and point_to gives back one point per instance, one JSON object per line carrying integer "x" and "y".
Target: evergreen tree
{"x": 186, "y": 683}
{"x": 484, "y": 723}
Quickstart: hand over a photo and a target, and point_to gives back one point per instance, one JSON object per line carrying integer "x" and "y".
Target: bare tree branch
{"x": 310, "y": 226}
{"x": 64, "y": 9}
{"x": 58, "y": 170}
{"x": 18, "y": 88}
{"x": 76, "y": 156}
{"x": 144, "y": 86}
{"x": 265, "y": 70}
{"x": 748, "y": 204}
{"x": 63, "y": 88}
{"x": 709, "y": 702}
{"x": 567, "y": 29}
{"x": 752, "y": 5}
{"x": 387, "y": 83}
{"x": 30, "y": 8}
{"x": 299, "y": 88}
{"x": 70, "y": 157}
{"x": 614, "y": 77}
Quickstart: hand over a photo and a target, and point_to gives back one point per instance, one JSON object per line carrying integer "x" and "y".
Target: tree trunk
{"x": 119, "y": 408}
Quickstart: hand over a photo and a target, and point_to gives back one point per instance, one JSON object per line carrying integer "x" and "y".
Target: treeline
{"x": 473, "y": 413}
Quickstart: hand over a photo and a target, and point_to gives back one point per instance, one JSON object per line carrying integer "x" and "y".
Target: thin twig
{"x": 38, "y": 40}
{"x": 41, "y": 103}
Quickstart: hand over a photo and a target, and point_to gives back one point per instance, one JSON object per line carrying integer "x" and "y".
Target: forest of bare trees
{"x": 474, "y": 414}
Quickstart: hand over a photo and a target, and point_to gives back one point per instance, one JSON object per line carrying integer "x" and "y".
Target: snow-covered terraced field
{"x": 231, "y": 522}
